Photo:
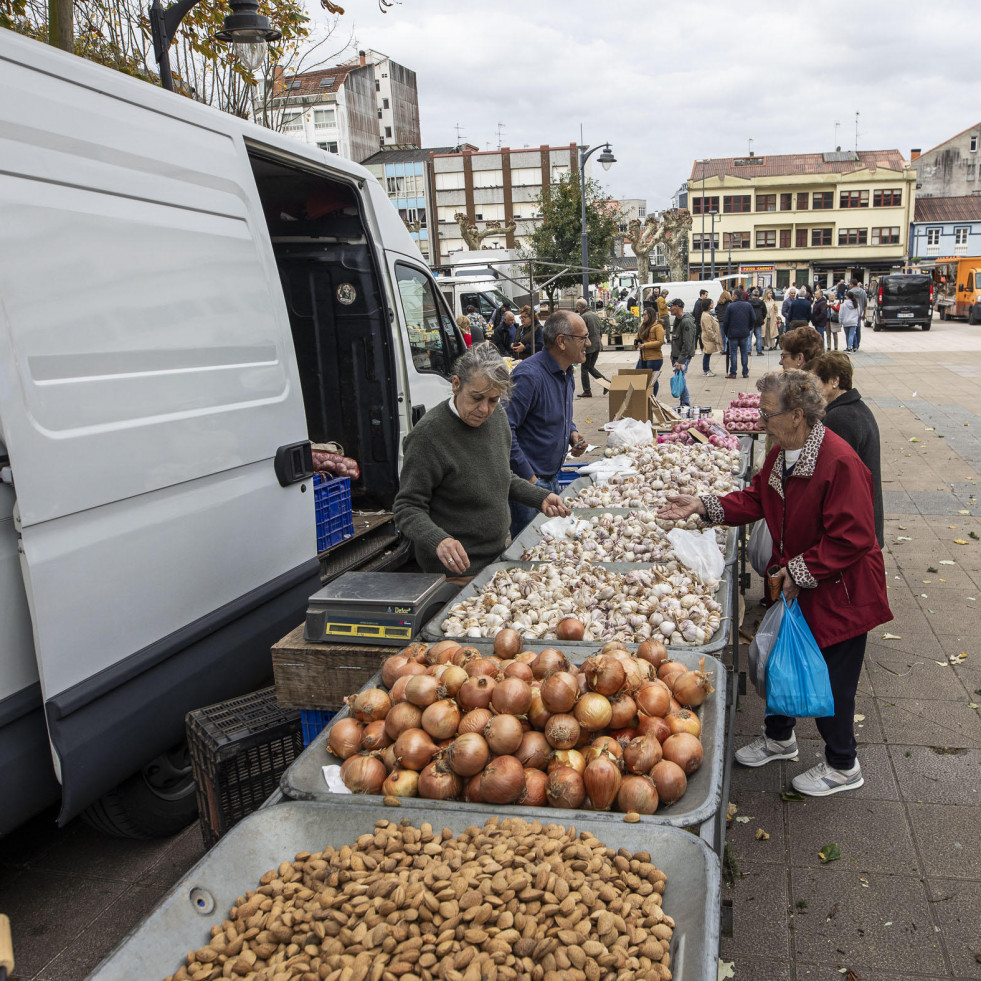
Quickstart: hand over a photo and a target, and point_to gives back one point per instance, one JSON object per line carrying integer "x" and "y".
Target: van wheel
{"x": 876, "y": 326}
{"x": 926, "y": 326}
{"x": 157, "y": 802}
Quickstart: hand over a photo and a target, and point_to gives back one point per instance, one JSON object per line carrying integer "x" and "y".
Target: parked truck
{"x": 957, "y": 287}
{"x": 187, "y": 300}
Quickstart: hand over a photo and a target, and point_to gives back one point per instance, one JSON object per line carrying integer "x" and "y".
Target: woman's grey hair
{"x": 795, "y": 390}
{"x": 484, "y": 359}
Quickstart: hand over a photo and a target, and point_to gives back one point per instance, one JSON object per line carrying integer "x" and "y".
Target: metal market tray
{"x": 431, "y": 631}
{"x": 532, "y": 535}
{"x": 304, "y": 780}
{"x": 182, "y": 921}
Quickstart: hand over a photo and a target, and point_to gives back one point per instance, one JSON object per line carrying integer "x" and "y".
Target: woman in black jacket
{"x": 819, "y": 316}
{"x": 848, "y": 416}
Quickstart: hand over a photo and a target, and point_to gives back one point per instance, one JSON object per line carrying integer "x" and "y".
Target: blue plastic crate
{"x": 569, "y": 473}
{"x": 335, "y": 516}
{"x": 313, "y": 722}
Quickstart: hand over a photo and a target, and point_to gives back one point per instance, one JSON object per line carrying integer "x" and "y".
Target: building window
{"x": 802, "y": 199}
{"x": 800, "y": 238}
{"x": 702, "y": 206}
{"x": 388, "y": 130}
{"x": 488, "y": 178}
{"x": 378, "y": 85}
{"x": 699, "y": 241}
{"x": 853, "y": 236}
{"x": 887, "y": 199}
{"x": 379, "y": 114}
{"x": 766, "y": 240}
{"x": 784, "y": 238}
{"x": 641, "y": 211}
{"x": 974, "y": 144}
{"x": 293, "y": 84}
{"x": 766, "y": 202}
{"x": 735, "y": 240}
{"x": 327, "y": 83}
{"x": 853, "y": 199}
{"x": 384, "y": 103}
{"x": 451, "y": 180}
{"x": 786, "y": 202}
{"x": 933, "y": 236}
{"x": 885, "y": 236}
{"x": 960, "y": 235}
{"x": 395, "y": 185}
{"x": 971, "y": 170}
{"x": 325, "y": 119}
{"x": 293, "y": 122}
{"x": 734, "y": 204}
{"x": 330, "y": 146}
{"x": 823, "y": 200}
{"x": 820, "y": 236}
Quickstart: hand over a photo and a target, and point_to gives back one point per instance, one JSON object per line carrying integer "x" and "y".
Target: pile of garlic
{"x": 672, "y": 606}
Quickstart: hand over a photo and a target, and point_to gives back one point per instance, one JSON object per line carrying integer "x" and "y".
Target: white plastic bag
{"x": 760, "y": 547}
{"x": 699, "y": 552}
{"x": 568, "y": 527}
{"x": 630, "y": 432}
{"x": 762, "y": 645}
{"x": 605, "y": 467}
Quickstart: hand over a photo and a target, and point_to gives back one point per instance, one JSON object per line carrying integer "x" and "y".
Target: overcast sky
{"x": 670, "y": 81}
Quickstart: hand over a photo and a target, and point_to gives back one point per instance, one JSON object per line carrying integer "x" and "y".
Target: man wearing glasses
{"x": 540, "y": 408}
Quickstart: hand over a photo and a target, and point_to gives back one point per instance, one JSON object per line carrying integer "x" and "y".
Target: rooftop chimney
{"x": 361, "y": 58}
{"x": 915, "y": 154}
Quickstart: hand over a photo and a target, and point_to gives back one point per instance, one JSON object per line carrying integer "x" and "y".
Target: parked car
{"x": 902, "y": 299}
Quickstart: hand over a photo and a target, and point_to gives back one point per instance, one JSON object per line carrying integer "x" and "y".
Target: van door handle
{"x": 418, "y": 411}
{"x": 293, "y": 463}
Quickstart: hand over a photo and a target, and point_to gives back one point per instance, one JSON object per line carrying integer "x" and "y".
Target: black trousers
{"x": 844, "y": 662}
{"x": 589, "y": 368}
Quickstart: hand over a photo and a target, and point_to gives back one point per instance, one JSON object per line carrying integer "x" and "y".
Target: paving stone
{"x": 760, "y": 913}
{"x": 88, "y": 852}
{"x": 771, "y": 778}
{"x": 766, "y": 811}
{"x": 832, "y": 972}
{"x": 957, "y": 907}
{"x": 186, "y": 849}
{"x": 925, "y": 776}
{"x": 948, "y": 839}
{"x": 758, "y": 969}
{"x": 857, "y": 933}
{"x": 927, "y": 722}
{"x": 901, "y": 674}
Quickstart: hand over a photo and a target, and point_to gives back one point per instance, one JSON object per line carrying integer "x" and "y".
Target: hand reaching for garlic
{"x": 554, "y": 507}
{"x": 681, "y": 506}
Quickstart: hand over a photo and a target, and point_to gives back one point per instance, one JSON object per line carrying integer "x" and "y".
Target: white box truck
{"x": 186, "y": 300}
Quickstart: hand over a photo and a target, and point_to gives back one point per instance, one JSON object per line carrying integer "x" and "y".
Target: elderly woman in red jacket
{"x": 816, "y": 496}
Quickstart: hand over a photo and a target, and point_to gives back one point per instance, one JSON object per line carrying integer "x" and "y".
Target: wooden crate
{"x": 320, "y": 676}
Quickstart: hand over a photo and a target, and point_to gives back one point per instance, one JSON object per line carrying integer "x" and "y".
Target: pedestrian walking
{"x": 759, "y": 308}
{"x": 862, "y": 301}
{"x": 711, "y": 337}
{"x": 650, "y": 338}
{"x": 589, "y": 370}
{"x": 682, "y": 343}
{"x": 785, "y": 306}
{"x": 800, "y": 308}
{"x": 849, "y": 316}
{"x": 819, "y": 313}
{"x": 737, "y": 329}
{"x": 771, "y": 326}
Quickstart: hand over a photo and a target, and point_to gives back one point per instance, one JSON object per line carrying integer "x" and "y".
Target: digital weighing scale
{"x": 375, "y": 607}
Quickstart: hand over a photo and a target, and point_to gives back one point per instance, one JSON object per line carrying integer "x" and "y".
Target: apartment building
{"x": 794, "y": 218}
{"x": 946, "y": 226}
{"x": 493, "y": 186}
{"x": 951, "y": 168}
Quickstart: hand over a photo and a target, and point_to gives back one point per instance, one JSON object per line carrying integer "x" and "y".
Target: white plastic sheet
{"x": 699, "y": 552}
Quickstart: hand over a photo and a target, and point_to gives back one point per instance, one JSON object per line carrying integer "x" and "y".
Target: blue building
{"x": 946, "y": 227}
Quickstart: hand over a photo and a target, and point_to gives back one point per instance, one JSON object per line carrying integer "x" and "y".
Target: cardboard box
{"x": 631, "y": 390}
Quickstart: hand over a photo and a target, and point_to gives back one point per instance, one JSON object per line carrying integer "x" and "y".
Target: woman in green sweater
{"x": 456, "y": 476}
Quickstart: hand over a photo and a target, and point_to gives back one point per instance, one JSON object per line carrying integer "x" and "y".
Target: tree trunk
{"x": 60, "y": 28}
{"x": 643, "y": 268}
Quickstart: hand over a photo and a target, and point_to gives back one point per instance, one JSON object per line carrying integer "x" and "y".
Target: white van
{"x": 687, "y": 290}
{"x": 186, "y": 300}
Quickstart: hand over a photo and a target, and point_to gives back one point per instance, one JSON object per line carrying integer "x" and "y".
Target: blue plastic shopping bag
{"x": 797, "y": 681}
{"x": 678, "y": 383}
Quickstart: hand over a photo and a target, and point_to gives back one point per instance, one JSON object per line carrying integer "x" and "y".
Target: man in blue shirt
{"x": 738, "y": 323}
{"x": 540, "y": 408}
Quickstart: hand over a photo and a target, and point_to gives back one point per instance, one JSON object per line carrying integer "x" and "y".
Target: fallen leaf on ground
{"x": 963, "y": 512}
{"x": 928, "y": 429}
{"x": 832, "y": 912}
{"x": 727, "y": 969}
{"x": 947, "y": 562}
{"x": 974, "y": 535}
{"x": 923, "y": 596}
{"x": 914, "y": 440}
{"x": 972, "y": 705}
{"x": 930, "y": 568}
{"x": 926, "y": 582}
{"x": 958, "y": 658}
{"x": 743, "y": 820}
{"x": 941, "y": 580}
{"x": 959, "y": 541}
{"x": 971, "y": 598}
{"x": 904, "y": 538}
{"x": 731, "y": 811}
{"x": 892, "y": 637}
{"x": 761, "y": 835}
{"x": 830, "y": 853}
{"x": 792, "y": 796}
{"x": 859, "y": 718}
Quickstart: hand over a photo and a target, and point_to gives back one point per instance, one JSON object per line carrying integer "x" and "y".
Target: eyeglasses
{"x": 767, "y": 416}
{"x": 577, "y": 337}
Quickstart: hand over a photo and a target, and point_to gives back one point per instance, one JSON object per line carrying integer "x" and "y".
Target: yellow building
{"x": 802, "y": 217}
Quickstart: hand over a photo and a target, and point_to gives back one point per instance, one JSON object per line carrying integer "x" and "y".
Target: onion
{"x": 548, "y": 661}
{"x": 486, "y": 667}
{"x": 402, "y": 716}
{"x": 507, "y": 643}
{"x": 344, "y": 738}
{"x": 692, "y": 688}
{"x": 655, "y": 725}
{"x": 669, "y": 668}
{"x": 560, "y": 691}
{"x": 533, "y": 751}
{"x": 638, "y": 794}
{"x": 439, "y": 783}
{"x": 562, "y": 731}
{"x": 374, "y": 736}
{"x": 607, "y": 744}
{"x": 683, "y": 720}
{"x": 475, "y": 693}
{"x": 401, "y": 783}
{"x": 593, "y": 711}
{"x": 538, "y": 715}
{"x": 652, "y": 651}
{"x": 463, "y": 655}
{"x": 415, "y": 651}
{"x": 518, "y": 669}
{"x": 570, "y": 628}
{"x": 471, "y": 790}
{"x": 670, "y": 781}
{"x": 676, "y": 706}
{"x": 684, "y": 749}
{"x": 411, "y": 668}
{"x": 414, "y": 749}
{"x": 474, "y": 721}
{"x": 363, "y": 774}
{"x": 567, "y": 757}
{"x": 442, "y": 652}
{"x": 512, "y": 696}
{"x": 534, "y": 793}
{"x": 387, "y": 757}
{"x": 503, "y": 780}
{"x": 467, "y": 754}
{"x": 652, "y": 699}
{"x": 391, "y": 667}
{"x": 606, "y": 675}
{"x": 398, "y": 689}
{"x": 422, "y": 690}
{"x": 601, "y": 778}
{"x": 452, "y": 678}
{"x": 503, "y": 734}
{"x": 370, "y": 705}
{"x": 526, "y": 657}
{"x": 624, "y": 711}
{"x": 623, "y": 736}
{"x": 442, "y": 719}
{"x": 613, "y": 645}
{"x": 640, "y": 754}
{"x": 565, "y": 788}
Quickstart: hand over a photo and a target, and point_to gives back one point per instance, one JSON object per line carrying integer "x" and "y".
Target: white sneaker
{"x": 763, "y": 750}
{"x": 709, "y": 374}
{"x": 823, "y": 780}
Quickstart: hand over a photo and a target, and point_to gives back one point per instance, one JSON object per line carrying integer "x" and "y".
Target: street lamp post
{"x": 701, "y": 270}
{"x": 713, "y": 215}
{"x": 607, "y": 160}
{"x": 244, "y": 27}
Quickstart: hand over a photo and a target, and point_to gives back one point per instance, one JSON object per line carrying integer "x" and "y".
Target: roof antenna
{"x": 856, "y": 132}
{"x": 751, "y": 146}
{"x": 837, "y": 127}
{"x": 459, "y": 133}
{"x": 500, "y": 126}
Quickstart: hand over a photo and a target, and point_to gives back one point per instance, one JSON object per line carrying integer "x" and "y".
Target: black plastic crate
{"x": 239, "y": 750}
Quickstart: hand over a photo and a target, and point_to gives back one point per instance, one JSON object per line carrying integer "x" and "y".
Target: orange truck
{"x": 957, "y": 281}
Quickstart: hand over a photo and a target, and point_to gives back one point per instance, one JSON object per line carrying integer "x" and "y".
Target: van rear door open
{"x": 147, "y": 381}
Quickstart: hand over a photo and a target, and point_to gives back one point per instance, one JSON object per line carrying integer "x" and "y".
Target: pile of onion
{"x": 619, "y": 731}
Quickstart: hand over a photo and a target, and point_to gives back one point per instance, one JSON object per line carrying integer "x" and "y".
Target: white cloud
{"x": 669, "y": 82}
